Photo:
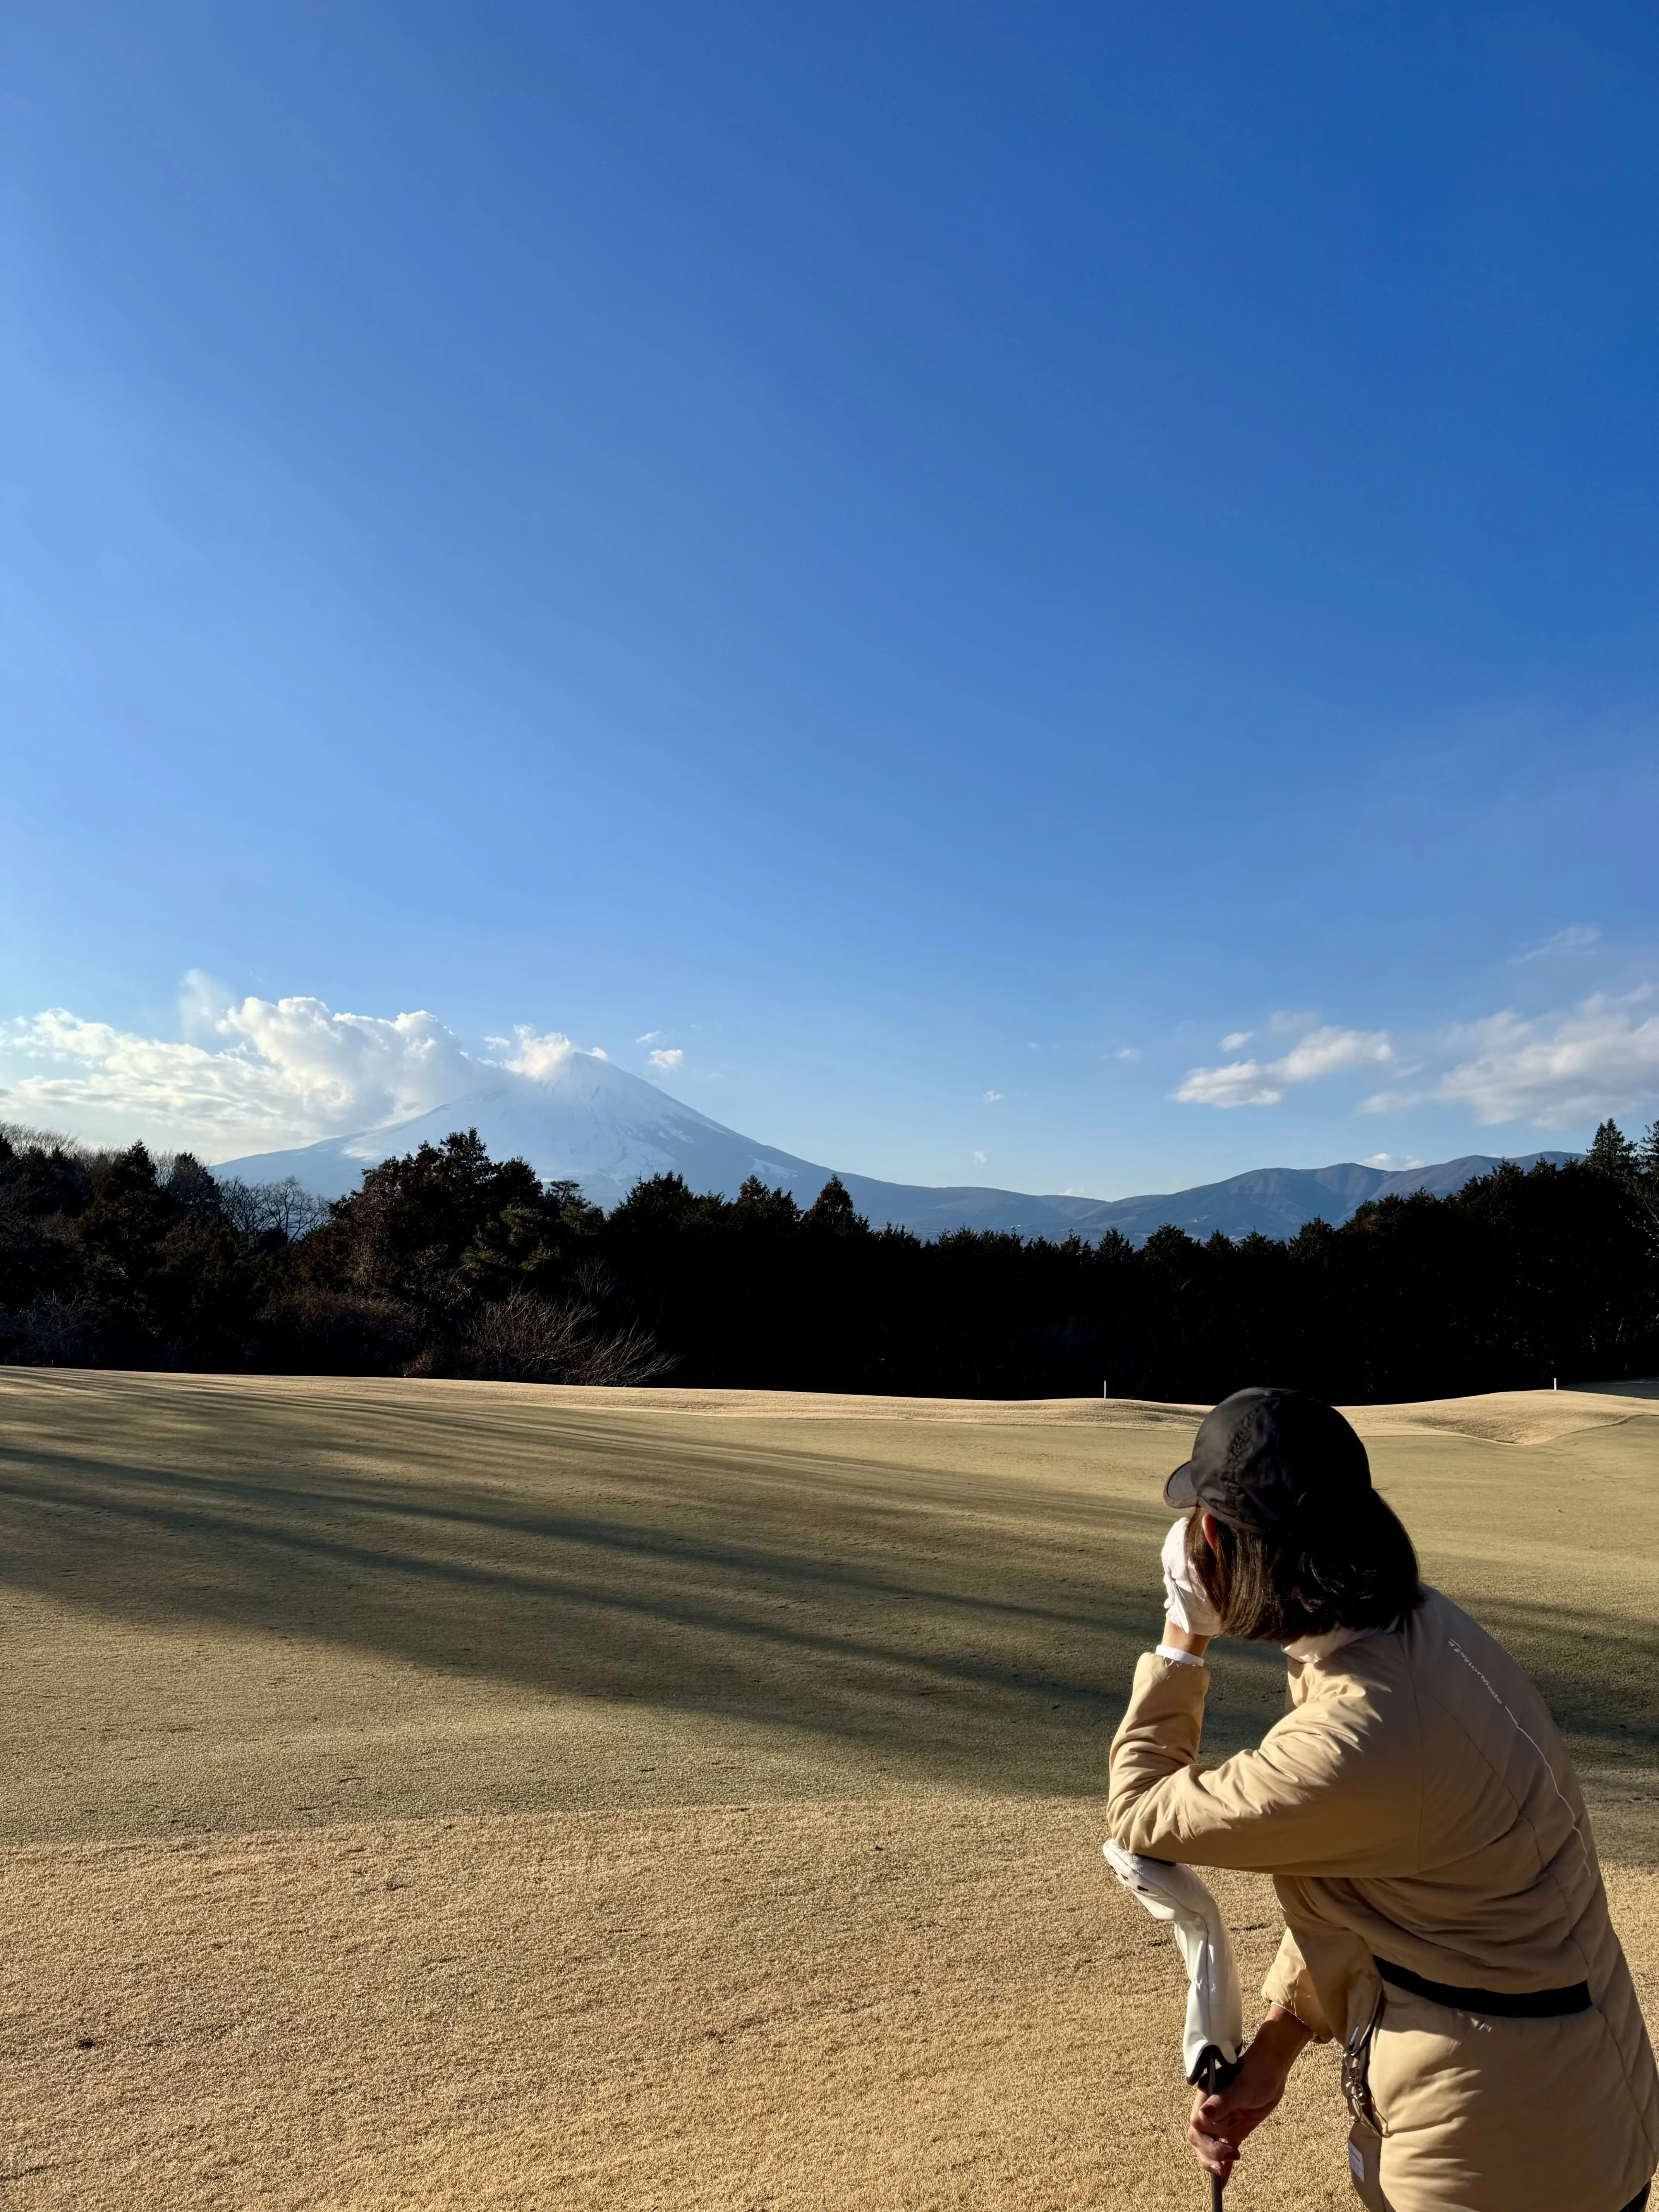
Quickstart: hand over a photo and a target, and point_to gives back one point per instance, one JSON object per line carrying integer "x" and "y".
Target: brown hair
{"x": 1309, "y": 1578}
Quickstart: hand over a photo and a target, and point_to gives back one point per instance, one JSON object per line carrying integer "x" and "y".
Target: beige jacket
{"x": 1416, "y": 1804}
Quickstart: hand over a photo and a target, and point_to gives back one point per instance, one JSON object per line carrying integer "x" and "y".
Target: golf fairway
{"x": 433, "y": 1794}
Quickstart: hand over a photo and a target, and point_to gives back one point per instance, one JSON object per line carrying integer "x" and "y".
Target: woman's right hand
{"x": 1220, "y": 2123}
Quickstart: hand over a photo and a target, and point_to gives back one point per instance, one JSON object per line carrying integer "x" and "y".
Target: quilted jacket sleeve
{"x": 1334, "y": 1788}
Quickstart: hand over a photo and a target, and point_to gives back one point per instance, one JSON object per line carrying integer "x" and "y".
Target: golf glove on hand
{"x": 1184, "y": 1601}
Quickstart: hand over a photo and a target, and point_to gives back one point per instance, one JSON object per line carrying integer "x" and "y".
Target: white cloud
{"x": 1392, "y": 1163}
{"x": 1329, "y": 1052}
{"x": 1574, "y": 938}
{"x": 650, "y": 1037}
{"x": 667, "y": 1057}
{"x": 538, "y": 1057}
{"x": 979, "y": 1159}
{"x": 1241, "y": 1082}
{"x": 1127, "y": 1052}
{"x": 255, "y": 1075}
{"x": 990, "y": 1099}
{"x": 202, "y": 1005}
{"x": 1560, "y": 1069}
{"x": 1237, "y": 1041}
{"x": 1262, "y": 1083}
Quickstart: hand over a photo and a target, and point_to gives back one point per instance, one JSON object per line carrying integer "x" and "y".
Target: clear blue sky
{"x": 901, "y": 553}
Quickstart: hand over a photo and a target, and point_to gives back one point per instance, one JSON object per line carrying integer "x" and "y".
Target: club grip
{"x": 1214, "y": 2073}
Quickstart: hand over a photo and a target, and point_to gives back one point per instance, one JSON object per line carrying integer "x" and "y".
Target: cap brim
{"x": 1180, "y": 1489}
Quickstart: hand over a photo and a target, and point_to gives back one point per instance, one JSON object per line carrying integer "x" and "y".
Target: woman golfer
{"x": 1445, "y": 1914}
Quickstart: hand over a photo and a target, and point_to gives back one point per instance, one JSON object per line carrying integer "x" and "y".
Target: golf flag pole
{"x": 1214, "y": 2033}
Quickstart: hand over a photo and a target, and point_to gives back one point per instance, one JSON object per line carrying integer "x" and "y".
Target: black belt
{"x": 1507, "y": 2004}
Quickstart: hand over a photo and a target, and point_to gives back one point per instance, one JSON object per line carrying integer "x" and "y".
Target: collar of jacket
{"x": 1320, "y": 1647}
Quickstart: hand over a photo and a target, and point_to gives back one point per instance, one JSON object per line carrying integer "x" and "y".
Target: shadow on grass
{"x": 968, "y": 1626}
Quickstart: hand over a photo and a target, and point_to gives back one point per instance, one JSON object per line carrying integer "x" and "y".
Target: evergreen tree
{"x": 120, "y": 1231}
{"x": 1612, "y": 1152}
{"x": 1646, "y": 1184}
{"x": 832, "y": 1212}
{"x": 533, "y": 1242}
{"x": 757, "y": 1207}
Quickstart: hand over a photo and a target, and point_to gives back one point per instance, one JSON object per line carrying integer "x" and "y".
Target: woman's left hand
{"x": 1220, "y": 2123}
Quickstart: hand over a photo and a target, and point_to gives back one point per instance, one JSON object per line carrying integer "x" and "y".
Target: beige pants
{"x": 1480, "y": 2114}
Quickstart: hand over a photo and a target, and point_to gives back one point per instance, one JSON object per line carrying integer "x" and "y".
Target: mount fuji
{"x": 586, "y": 1122}
{"x": 580, "y": 1120}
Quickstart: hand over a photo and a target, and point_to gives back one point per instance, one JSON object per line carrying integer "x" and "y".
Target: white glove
{"x": 1184, "y": 1601}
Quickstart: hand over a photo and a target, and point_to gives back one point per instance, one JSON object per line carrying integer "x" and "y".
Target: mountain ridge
{"x": 596, "y": 1125}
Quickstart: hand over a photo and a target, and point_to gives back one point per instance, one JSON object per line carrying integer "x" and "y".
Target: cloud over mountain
{"x": 260, "y": 1076}
{"x": 1598, "y": 1060}
{"x": 256, "y": 1073}
{"x": 1323, "y": 1051}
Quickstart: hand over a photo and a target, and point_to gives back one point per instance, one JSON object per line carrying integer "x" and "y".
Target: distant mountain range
{"x": 596, "y": 1125}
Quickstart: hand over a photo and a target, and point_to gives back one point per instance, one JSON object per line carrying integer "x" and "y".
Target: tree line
{"x": 446, "y": 1263}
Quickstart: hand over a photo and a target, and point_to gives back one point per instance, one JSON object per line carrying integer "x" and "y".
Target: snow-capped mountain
{"x": 589, "y": 1122}
{"x": 582, "y": 1120}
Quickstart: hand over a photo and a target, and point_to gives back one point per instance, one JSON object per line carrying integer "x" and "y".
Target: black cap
{"x": 1264, "y": 1457}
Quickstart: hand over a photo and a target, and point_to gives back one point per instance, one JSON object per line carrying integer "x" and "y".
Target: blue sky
{"x": 935, "y": 563}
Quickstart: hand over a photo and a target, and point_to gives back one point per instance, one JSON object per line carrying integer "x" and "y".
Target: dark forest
{"x": 448, "y": 1263}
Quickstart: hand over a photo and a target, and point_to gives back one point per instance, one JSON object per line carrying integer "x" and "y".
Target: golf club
{"x": 1213, "y": 2034}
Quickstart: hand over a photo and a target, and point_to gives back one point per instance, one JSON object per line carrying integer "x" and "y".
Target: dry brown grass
{"x": 445, "y": 1794}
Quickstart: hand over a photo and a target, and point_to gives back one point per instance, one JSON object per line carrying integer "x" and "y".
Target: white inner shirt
{"x": 1305, "y": 1647}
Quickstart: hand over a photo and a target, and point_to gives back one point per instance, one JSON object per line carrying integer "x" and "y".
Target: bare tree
{"x": 23, "y": 1138}
{"x": 258, "y": 1208}
{"x": 53, "y": 1331}
{"x": 525, "y": 1339}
